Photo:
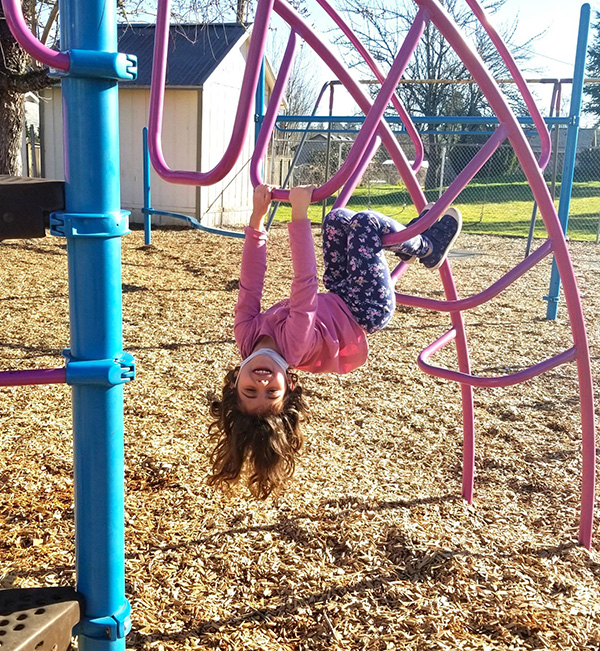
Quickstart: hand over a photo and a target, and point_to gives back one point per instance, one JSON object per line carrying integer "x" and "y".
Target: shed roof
{"x": 194, "y": 50}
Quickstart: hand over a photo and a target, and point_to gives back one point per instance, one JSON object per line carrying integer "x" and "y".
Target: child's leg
{"x": 355, "y": 265}
{"x": 370, "y": 290}
{"x": 336, "y": 225}
{"x": 416, "y": 247}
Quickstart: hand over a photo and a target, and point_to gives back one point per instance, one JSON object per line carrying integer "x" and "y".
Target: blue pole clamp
{"x": 103, "y": 372}
{"x": 96, "y": 64}
{"x": 64, "y": 224}
{"x": 112, "y": 627}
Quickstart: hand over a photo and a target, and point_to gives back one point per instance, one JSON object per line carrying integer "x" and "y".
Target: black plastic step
{"x": 26, "y": 204}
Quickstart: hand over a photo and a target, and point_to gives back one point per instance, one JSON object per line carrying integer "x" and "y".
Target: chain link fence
{"x": 497, "y": 201}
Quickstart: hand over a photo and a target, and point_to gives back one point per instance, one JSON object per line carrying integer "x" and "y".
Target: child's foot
{"x": 394, "y": 248}
{"x": 442, "y": 236}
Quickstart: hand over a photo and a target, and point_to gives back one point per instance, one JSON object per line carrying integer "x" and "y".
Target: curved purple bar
{"x": 538, "y": 120}
{"x": 486, "y": 295}
{"x": 464, "y": 365}
{"x": 489, "y": 381}
{"x": 397, "y": 104}
{"x": 37, "y": 376}
{"x": 452, "y": 191}
{"x": 20, "y": 30}
{"x": 270, "y": 117}
{"x": 373, "y": 113}
{"x": 244, "y": 114}
{"x": 532, "y": 171}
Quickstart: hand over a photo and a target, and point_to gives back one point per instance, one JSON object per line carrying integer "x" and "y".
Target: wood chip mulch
{"x": 371, "y": 547}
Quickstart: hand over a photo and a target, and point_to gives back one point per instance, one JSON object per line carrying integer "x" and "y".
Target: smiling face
{"x": 261, "y": 385}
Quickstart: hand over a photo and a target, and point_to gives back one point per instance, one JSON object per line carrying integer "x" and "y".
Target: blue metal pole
{"x": 566, "y": 187}
{"x": 147, "y": 190}
{"x": 418, "y": 119}
{"x": 96, "y": 365}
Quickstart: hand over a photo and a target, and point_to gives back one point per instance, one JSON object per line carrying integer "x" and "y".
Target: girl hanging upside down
{"x": 257, "y": 420}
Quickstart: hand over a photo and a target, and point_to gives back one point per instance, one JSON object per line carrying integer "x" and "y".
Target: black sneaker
{"x": 442, "y": 236}
{"x": 408, "y": 259}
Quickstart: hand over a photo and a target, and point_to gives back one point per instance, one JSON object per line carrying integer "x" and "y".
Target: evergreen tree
{"x": 593, "y": 70}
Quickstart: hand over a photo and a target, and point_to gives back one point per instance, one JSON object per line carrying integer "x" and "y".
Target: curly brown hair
{"x": 267, "y": 444}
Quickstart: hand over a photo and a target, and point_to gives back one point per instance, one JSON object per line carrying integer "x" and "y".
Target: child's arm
{"x": 252, "y": 272}
{"x": 260, "y": 206}
{"x": 299, "y": 334}
{"x": 300, "y": 198}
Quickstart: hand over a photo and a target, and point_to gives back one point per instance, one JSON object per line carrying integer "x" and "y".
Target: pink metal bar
{"x": 37, "y": 376}
{"x": 270, "y": 117}
{"x": 245, "y": 111}
{"x": 399, "y": 271}
{"x": 339, "y": 69}
{"x": 588, "y": 461}
{"x": 20, "y": 30}
{"x": 458, "y": 328}
{"x": 561, "y": 254}
{"x": 397, "y": 104}
{"x": 487, "y": 294}
{"x": 538, "y": 120}
{"x": 467, "y": 393}
{"x": 489, "y": 381}
{"x": 373, "y": 117}
{"x": 464, "y": 366}
{"x": 452, "y": 191}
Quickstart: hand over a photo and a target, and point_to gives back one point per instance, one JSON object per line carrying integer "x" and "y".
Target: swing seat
{"x": 38, "y": 619}
{"x": 25, "y": 206}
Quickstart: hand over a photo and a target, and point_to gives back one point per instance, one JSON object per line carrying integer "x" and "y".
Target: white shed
{"x": 204, "y": 75}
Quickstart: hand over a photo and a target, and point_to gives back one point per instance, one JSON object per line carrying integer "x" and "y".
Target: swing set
{"x": 93, "y": 224}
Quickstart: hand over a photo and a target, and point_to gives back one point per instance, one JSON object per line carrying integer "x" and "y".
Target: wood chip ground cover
{"x": 371, "y": 546}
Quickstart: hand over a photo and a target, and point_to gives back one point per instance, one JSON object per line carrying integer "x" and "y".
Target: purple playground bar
{"x": 36, "y": 376}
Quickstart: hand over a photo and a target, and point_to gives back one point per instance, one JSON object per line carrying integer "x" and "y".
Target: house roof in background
{"x": 194, "y": 50}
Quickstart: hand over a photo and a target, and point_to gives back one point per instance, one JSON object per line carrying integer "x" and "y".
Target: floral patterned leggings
{"x": 355, "y": 266}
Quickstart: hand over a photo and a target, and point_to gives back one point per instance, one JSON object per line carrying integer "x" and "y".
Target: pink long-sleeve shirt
{"x": 314, "y": 331}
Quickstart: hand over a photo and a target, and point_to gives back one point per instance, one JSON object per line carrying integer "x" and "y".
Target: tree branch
{"x": 30, "y": 81}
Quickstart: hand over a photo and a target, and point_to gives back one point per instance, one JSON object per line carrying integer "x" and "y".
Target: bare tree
{"x": 19, "y": 74}
{"x": 382, "y": 25}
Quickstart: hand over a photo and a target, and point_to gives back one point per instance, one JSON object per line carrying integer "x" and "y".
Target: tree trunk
{"x": 11, "y": 119}
{"x": 13, "y": 63}
{"x": 242, "y": 9}
{"x": 17, "y": 77}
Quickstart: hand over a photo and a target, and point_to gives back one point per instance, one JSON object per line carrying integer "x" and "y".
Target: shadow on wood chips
{"x": 371, "y": 546}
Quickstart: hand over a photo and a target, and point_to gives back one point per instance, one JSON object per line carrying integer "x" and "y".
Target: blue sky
{"x": 555, "y": 50}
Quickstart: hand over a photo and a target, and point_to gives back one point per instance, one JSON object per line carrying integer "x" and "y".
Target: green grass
{"x": 495, "y": 207}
